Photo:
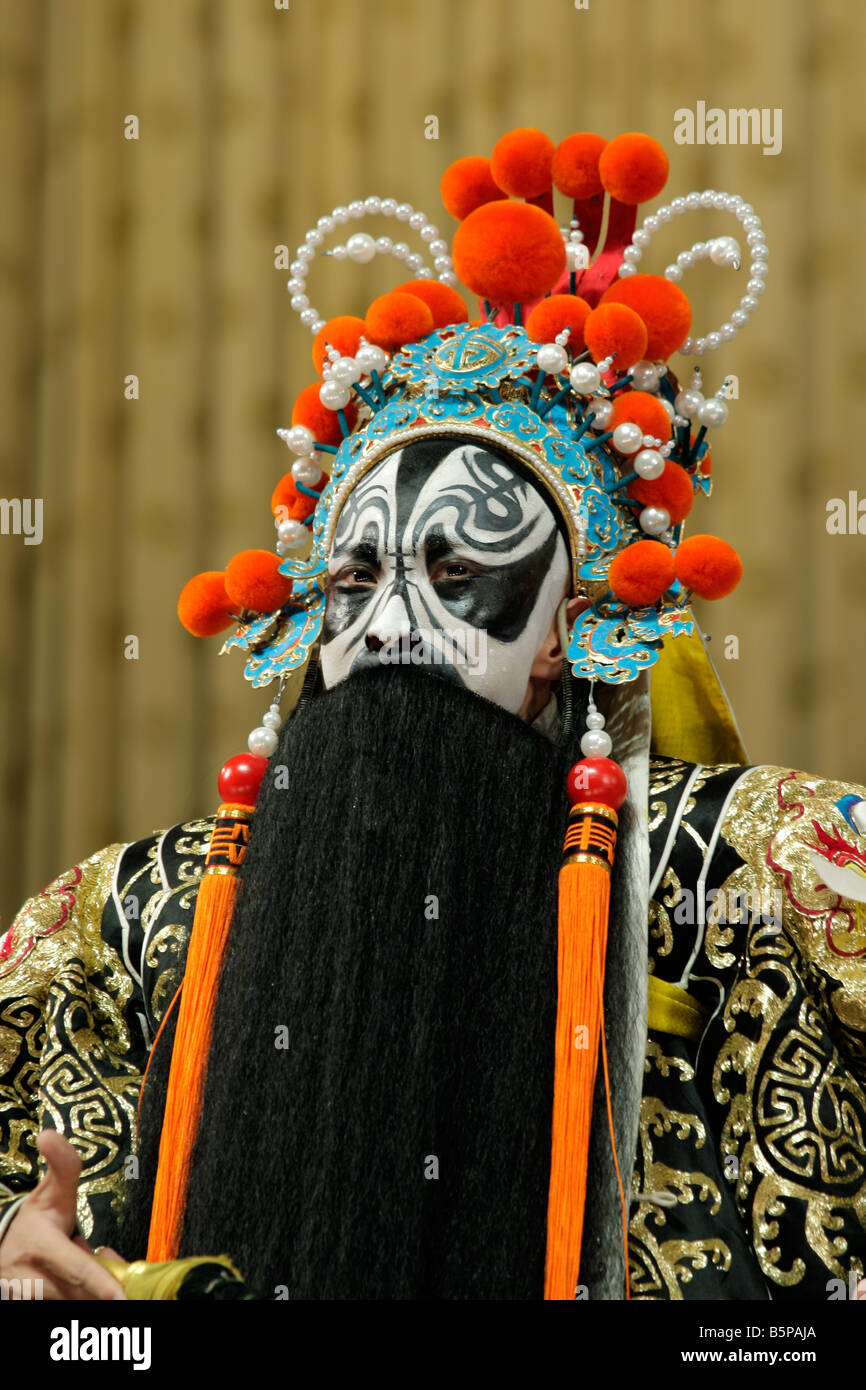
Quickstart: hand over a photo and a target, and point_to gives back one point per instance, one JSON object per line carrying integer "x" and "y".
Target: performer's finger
{"x": 72, "y": 1270}
{"x": 59, "y": 1188}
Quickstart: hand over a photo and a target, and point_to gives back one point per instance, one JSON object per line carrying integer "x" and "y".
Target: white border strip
{"x": 672, "y": 833}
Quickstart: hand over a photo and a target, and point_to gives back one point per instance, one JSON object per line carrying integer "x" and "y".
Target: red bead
{"x": 597, "y": 779}
{"x": 240, "y": 778}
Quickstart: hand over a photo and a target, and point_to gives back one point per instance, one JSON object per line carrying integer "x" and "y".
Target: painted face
{"x": 444, "y": 555}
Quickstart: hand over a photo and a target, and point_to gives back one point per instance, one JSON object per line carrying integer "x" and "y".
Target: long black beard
{"x": 397, "y": 926}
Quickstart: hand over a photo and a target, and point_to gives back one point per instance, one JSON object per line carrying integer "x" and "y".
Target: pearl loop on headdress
{"x": 723, "y": 251}
{"x": 362, "y": 248}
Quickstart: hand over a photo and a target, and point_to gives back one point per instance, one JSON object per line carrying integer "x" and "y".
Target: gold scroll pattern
{"x": 168, "y": 908}
{"x": 665, "y": 775}
{"x": 661, "y": 936}
{"x": 789, "y": 1072}
{"x": 65, "y": 1037}
{"x": 662, "y": 1265}
{"x": 66, "y": 1053}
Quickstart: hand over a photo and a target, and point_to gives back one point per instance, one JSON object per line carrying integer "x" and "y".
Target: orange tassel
{"x": 207, "y": 948}
{"x": 584, "y": 900}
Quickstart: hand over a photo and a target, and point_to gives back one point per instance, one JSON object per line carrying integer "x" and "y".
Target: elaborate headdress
{"x": 567, "y": 371}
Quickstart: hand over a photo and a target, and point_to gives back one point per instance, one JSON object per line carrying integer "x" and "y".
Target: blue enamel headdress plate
{"x": 472, "y": 382}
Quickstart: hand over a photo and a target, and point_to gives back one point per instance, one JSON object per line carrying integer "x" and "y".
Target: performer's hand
{"x": 39, "y": 1243}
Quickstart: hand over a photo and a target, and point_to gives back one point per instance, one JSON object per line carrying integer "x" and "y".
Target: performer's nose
{"x": 390, "y": 627}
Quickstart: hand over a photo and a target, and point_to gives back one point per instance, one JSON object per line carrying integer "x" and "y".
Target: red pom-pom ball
{"x": 597, "y": 779}
{"x": 285, "y": 495}
{"x": 343, "y": 333}
{"x": 520, "y": 162}
{"x": 641, "y": 408}
{"x": 467, "y": 184}
{"x": 240, "y": 778}
{"x": 554, "y": 313}
{"x": 253, "y": 581}
{"x": 575, "y": 165}
{"x": 288, "y": 504}
{"x": 397, "y": 318}
{"x": 633, "y": 168}
{"x": 308, "y": 410}
{"x": 673, "y": 491}
{"x": 663, "y": 307}
{"x": 708, "y": 566}
{"x": 641, "y": 573}
{"x": 509, "y": 252}
{"x": 616, "y": 329}
{"x": 204, "y": 607}
{"x": 445, "y": 304}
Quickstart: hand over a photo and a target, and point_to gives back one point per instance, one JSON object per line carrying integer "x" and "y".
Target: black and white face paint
{"x": 444, "y": 555}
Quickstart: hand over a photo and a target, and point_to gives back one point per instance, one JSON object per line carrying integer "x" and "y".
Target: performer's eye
{"x": 451, "y": 571}
{"x": 354, "y": 577}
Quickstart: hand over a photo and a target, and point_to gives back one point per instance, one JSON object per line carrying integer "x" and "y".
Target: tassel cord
{"x": 215, "y": 903}
{"x": 612, "y": 1134}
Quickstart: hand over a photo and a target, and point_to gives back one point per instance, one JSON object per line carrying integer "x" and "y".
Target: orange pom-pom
{"x": 253, "y": 581}
{"x": 575, "y": 165}
{"x": 466, "y": 184}
{"x": 445, "y": 304}
{"x": 343, "y": 333}
{"x": 289, "y": 503}
{"x": 509, "y": 252}
{"x": 204, "y": 607}
{"x": 308, "y": 410}
{"x": 663, "y": 307}
{"x": 520, "y": 162}
{"x": 284, "y": 496}
{"x": 708, "y": 566}
{"x": 640, "y": 408}
{"x": 641, "y": 573}
{"x": 616, "y": 329}
{"x": 633, "y": 168}
{"x": 673, "y": 491}
{"x": 396, "y": 318}
{"x": 554, "y": 313}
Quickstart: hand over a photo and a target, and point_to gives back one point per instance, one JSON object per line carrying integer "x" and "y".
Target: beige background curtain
{"x": 155, "y": 257}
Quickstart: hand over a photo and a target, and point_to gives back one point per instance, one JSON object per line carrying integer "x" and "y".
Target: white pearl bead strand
{"x": 723, "y": 251}
{"x": 362, "y": 248}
